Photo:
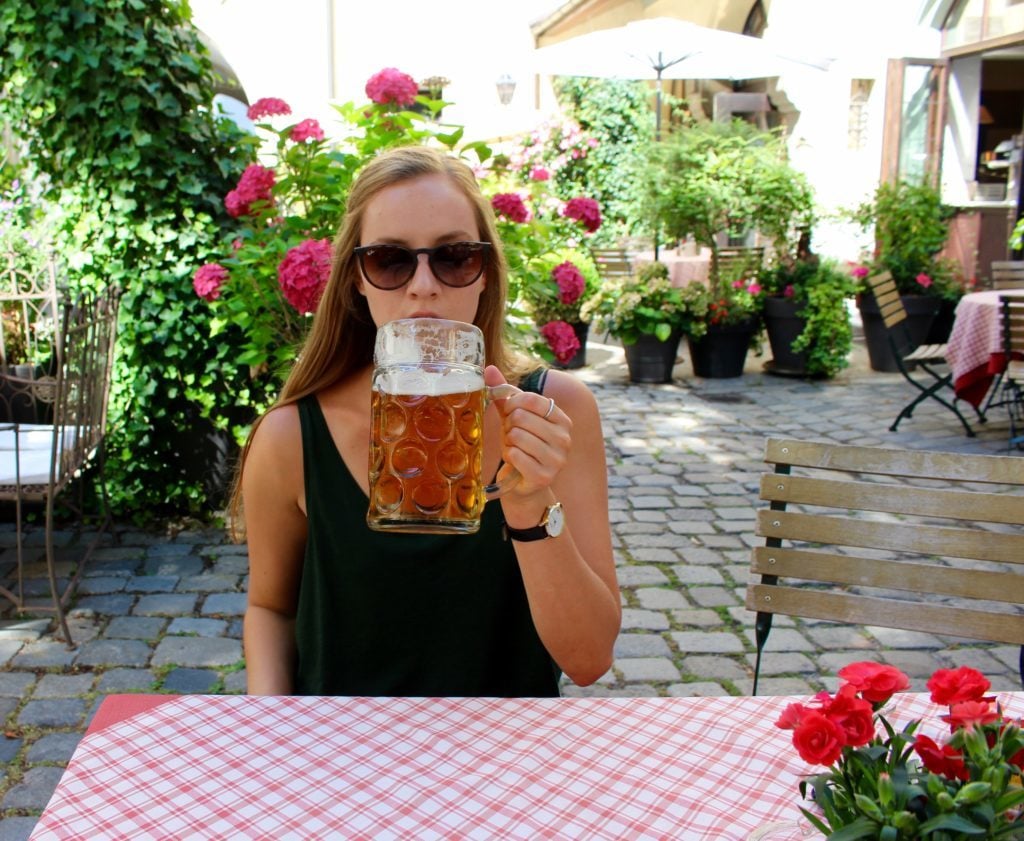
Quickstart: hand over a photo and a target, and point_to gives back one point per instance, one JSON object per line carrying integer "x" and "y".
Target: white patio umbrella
{"x": 669, "y": 48}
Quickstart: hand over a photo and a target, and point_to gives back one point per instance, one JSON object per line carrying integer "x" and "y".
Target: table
{"x": 682, "y": 268}
{"x": 196, "y": 766}
{"x": 975, "y": 347}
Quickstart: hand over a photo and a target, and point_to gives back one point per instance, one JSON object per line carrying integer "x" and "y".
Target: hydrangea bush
{"x": 551, "y": 273}
{"x": 274, "y": 263}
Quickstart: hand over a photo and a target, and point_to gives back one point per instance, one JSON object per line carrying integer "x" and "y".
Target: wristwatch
{"x": 550, "y": 525}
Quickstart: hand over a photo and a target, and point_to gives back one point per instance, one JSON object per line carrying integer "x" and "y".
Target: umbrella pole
{"x": 657, "y": 138}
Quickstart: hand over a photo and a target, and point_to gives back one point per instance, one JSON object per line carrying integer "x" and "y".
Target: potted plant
{"x": 911, "y": 226}
{"x": 732, "y": 326}
{"x": 649, "y": 316}
{"x": 805, "y": 315}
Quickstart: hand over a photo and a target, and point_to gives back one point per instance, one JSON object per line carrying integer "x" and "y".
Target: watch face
{"x": 556, "y": 520}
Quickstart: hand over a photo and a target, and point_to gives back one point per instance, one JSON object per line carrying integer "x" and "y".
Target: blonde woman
{"x": 337, "y": 609}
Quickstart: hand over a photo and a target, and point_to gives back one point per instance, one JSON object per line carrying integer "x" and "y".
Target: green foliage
{"x": 705, "y": 179}
{"x": 649, "y": 304}
{"x": 911, "y": 226}
{"x": 618, "y": 115}
{"x": 110, "y": 102}
{"x": 820, "y": 289}
{"x": 1017, "y": 236}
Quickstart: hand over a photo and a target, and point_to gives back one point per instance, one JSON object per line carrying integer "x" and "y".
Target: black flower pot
{"x": 582, "y": 330}
{"x": 722, "y": 351}
{"x": 942, "y": 325}
{"x": 784, "y": 326}
{"x": 650, "y": 360}
{"x": 921, "y": 310}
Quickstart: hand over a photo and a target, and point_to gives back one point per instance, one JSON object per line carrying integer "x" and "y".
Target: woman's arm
{"x": 272, "y": 494}
{"x": 570, "y": 580}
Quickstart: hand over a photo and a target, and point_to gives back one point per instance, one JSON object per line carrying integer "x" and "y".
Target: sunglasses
{"x": 455, "y": 264}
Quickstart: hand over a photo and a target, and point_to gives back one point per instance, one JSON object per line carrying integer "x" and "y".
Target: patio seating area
{"x": 162, "y": 612}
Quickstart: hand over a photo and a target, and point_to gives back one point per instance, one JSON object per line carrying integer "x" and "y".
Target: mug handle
{"x": 496, "y": 489}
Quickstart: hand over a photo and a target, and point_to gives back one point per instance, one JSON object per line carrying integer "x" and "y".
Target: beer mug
{"x": 426, "y": 428}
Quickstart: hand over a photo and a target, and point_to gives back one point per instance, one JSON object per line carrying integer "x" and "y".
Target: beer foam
{"x": 426, "y": 383}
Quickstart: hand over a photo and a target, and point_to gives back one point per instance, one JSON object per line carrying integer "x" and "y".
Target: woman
{"x": 336, "y": 609}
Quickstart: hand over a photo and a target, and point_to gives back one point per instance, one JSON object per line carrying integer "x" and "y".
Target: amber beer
{"x": 426, "y": 418}
{"x": 426, "y": 450}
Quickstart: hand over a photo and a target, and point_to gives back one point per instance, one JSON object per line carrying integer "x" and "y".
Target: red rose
{"x": 854, "y": 715}
{"x": 817, "y": 739}
{"x": 952, "y": 686}
{"x": 945, "y": 760}
{"x": 970, "y": 714}
{"x": 876, "y": 683}
{"x": 792, "y": 716}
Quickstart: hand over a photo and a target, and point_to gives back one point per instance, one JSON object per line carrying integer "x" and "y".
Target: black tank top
{"x": 407, "y": 614}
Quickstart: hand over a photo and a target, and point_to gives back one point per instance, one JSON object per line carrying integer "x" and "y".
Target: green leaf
{"x": 860, "y": 828}
{"x": 952, "y": 823}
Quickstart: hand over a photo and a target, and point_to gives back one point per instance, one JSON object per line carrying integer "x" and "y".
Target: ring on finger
{"x": 551, "y": 408}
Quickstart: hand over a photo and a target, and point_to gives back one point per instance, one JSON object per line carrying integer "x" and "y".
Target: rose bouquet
{"x": 884, "y": 783}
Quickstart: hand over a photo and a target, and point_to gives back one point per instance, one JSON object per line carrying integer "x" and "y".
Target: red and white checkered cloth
{"x": 470, "y": 768}
{"x": 975, "y": 347}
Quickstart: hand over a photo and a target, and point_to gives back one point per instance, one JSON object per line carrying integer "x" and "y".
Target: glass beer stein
{"x": 426, "y": 428}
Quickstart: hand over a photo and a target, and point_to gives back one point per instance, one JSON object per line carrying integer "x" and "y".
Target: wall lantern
{"x": 506, "y": 88}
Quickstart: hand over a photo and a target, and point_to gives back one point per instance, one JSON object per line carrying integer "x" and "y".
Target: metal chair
{"x": 66, "y": 392}
{"x": 905, "y": 542}
{"x": 1008, "y": 274}
{"x": 910, "y": 358}
{"x": 612, "y": 263}
{"x": 1012, "y": 388}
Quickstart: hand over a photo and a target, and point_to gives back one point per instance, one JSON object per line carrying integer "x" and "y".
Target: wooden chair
{"x": 1008, "y": 274}
{"x": 735, "y": 263}
{"x": 1012, "y": 389}
{"x": 911, "y": 358}
{"x": 612, "y": 262}
{"x": 41, "y": 456}
{"x": 906, "y": 542}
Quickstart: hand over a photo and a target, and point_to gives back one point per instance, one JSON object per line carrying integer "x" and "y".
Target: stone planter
{"x": 722, "y": 351}
{"x": 650, "y": 360}
{"x": 921, "y": 310}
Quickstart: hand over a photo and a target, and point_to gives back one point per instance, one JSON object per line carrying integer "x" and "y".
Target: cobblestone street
{"x": 163, "y": 613}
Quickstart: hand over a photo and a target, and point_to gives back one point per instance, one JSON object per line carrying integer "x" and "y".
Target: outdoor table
{"x": 682, "y": 268}
{"x": 975, "y": 347}
{"x": 235, "y": 766}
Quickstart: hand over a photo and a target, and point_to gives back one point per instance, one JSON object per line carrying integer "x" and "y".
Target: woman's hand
{"x": 536, "y": 436}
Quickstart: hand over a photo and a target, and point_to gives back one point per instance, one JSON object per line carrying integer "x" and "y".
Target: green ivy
{"x": 110, "y": 102}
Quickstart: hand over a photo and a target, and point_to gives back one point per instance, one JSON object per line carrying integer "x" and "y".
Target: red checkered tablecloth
{"x": 975, "y": 347}
{"x": 468, "y": 768}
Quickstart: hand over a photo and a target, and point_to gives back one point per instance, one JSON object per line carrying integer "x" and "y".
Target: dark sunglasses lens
{"x": 388, "y": 266}
{"x": 458, "y": 263}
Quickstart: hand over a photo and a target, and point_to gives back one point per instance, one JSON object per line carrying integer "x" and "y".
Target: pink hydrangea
{"x": 923, "y": 280}
{"x": 268, "y": 107}
{"x": 392, "y": 85}
{"x": 584, "y": 210}
{"x": 789, "y": 291}
{"x": 302, "y": 274}
{"x": 860, "y": 271}
{"x": 254, "y": 186}
{"x": 754, "y": 288}
{"x": 561, "y": 338}
{"x": 307, "y": 130}
{"x": 510, "y": 205}
{"x": 539, "y": 173}
{"x": 570, "y": 282}
{"x": 208, "y": 281}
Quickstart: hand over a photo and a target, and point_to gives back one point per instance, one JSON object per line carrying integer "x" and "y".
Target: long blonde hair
{"x": 340, "y": 341}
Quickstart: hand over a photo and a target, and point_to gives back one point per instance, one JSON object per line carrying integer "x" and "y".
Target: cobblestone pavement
{"x": 161, "y": 612}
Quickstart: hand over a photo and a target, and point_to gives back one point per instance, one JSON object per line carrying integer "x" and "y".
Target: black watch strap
{"x": 526, "y": 535}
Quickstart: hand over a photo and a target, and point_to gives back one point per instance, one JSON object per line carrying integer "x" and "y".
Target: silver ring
{"x": 551, "y": 408}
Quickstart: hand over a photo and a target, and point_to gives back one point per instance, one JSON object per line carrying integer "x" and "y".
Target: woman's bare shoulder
{"x": 279, "y": 433}
{"x": 569, "y": 392}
